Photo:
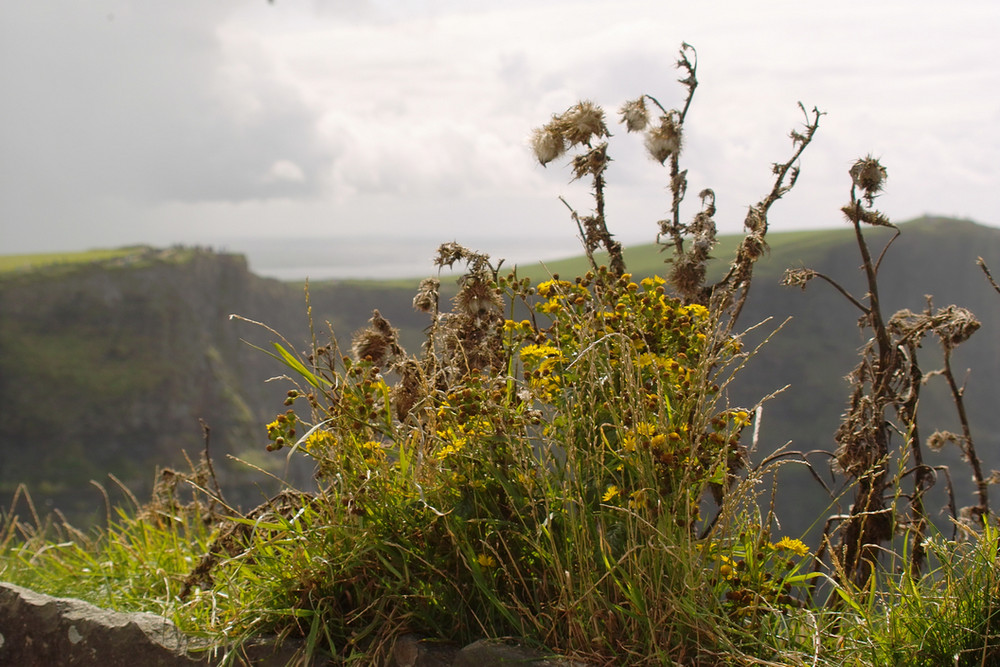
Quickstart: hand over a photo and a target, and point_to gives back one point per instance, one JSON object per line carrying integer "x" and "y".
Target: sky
{"x": 380, "y": 128}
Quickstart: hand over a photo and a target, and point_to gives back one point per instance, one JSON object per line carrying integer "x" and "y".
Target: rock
{"x": 498, "y": 653}
{"x": 42, "y": 630}
{"x": 417, "y": 651}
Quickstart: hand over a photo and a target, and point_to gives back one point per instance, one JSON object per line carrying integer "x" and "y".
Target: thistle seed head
{"x": 547, "y": 143}
{"x": 378, "y": 341}
{"x": 582, "y": 122}
{"x": 592, "y": 162}
{"x": 868, "y": 176}
{"x": 634, "y": 115}
{"x": 477, "y": 297}
{"x": 426, "y": 300}
{"x": 797, "y": 277}
{"x": 664, "y": 140}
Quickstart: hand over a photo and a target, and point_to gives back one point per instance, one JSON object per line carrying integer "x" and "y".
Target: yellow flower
{"x": 637, "y": 499}
{"x": 741, "y": 417}
{"x": 319, "y": 440}
{"x": 610, "y": 494}
{"x": 793, "y": 545}
{"x": 532, "y": 354}
{"x": 485, "y": 560}
{"x": 697, "y": 310}
{"x": 645, "y": 428}
{"x": 548, "y": 287}
{"x": 550, "y": 306}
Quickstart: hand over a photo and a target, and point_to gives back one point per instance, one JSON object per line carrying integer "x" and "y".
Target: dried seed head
{"x": 426, "y": 300}
{"x": 582, "y": 122}
{"x": 938, "y": 439}
{"x": 797, "y": 277}
{"x": 869, "y": 176}
{"x": 369, "y": 344}
{"x": 592, "y": 162}
{"x": 664, "y": 140}
{"x": 547, "y": 143}
{"x": 687, "y": 275}
{"x": 477, "y": 297}
{"x": 378, "y": 341}
{"x": 959, "y": 324}
{"x": 451, "y": 252}
{"x": 634, "y": 115}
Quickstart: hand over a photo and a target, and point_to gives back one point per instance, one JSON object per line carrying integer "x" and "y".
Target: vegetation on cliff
{"x": 568, "y": 462}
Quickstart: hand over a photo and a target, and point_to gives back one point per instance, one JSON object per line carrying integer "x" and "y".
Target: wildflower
{"x": 741, "y": 417}
{"x": 795, "y": 546}
{"x": 319, "y": 440}
{"x": 533, "y": 354}
{"x": 485, "y": 560}
{"x": 554, "y": 286}
{"x": 728, "y": 567}
{"x": 610, "y": 494}
{"x": 637, "y": 499}
{"x": 697, "y": 310}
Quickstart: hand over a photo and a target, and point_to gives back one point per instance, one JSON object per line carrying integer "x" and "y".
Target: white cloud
{"x": 398, "y": 116}
{"x": 285, "y": 170}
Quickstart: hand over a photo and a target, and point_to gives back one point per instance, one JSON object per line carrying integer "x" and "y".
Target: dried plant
{"x": 885, "y": 391}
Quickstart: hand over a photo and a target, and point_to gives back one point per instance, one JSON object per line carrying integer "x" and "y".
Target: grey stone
{"x": 498, "y": 653}
{"x": 417, "y": 651}
{"x": 43, "y": 630}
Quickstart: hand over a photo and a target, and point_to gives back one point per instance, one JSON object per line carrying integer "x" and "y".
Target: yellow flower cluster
{"x": 541, "y": 365}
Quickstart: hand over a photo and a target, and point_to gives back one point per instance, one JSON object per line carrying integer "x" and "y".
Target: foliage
{"x": 561, "y": 464}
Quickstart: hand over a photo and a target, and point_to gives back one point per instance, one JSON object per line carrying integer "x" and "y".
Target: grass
{"x": 30, "y": 262}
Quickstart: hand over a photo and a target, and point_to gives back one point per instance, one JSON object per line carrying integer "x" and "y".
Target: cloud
{"x": 143, "y": 104}
{"x": 238, "y": 117}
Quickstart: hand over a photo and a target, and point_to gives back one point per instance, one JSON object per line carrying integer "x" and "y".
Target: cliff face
{"x": 107, "y": 368}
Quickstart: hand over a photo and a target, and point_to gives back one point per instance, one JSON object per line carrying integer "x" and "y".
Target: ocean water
{"x": 369, "y": 257}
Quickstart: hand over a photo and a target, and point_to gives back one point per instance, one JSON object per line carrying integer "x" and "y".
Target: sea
{"x": 376, "y": 258}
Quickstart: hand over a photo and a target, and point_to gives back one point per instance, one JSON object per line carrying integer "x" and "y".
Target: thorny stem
{"x": 989, "y": 276}
{"x": 968, "y": 448}
{"x": 678, "y": 181}
{"x": 583, "y": 233}
{"x": 885, "y": 348}
{"x": 613, "y": 247}
{"x": 740, "y": 272}
{"x": 847, "y": 295}
{"x": 923, "y": 477}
